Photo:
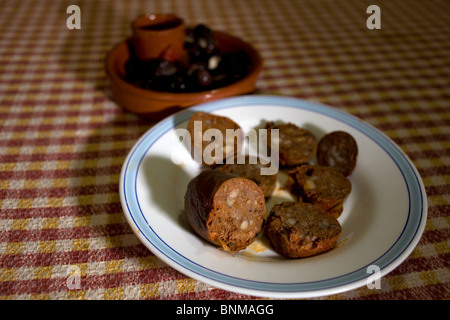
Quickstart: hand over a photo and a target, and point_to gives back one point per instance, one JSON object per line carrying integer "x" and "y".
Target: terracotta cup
{"x": 155, "y": 35}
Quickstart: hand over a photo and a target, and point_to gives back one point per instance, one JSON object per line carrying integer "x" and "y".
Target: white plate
{"x": 382, "y": 222}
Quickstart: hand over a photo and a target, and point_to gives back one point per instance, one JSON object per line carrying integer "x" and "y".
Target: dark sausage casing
{"x": 224, "y": 209}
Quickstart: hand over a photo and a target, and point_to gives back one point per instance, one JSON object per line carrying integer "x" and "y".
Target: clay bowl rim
{"x": 183, "y": 99}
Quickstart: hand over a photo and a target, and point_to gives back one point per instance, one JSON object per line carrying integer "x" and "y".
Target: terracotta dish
{"x": 156, "y": 104}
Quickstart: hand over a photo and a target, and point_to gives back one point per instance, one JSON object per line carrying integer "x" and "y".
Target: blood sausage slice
{"x": 224, "y": 209}
{"x": 296, "y": 145}
{"x": 298, "y": 230}
{"x": 325, "y": 187}
{"x": 338, "y": 149}
{"x": 213, "y": 149}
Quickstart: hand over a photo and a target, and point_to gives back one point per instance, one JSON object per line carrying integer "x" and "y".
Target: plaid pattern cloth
{"x": 63, "y": 140}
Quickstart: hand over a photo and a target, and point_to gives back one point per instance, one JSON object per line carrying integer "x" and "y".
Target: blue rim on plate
{"x": 389, "y": 260}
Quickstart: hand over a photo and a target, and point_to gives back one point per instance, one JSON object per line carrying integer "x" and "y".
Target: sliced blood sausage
{"x": 325, "y": 187}
{"x": 296, "y": 145}
{"x": 216, "y": 147}
{"x": 224, "y": 209}
{"x": 338, "y": 149}
{"x": 298, "y": 230}
{"x": 252, "y": 171}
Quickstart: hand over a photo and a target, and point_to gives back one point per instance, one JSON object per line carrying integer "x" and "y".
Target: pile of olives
{"x": 203, "y": 67}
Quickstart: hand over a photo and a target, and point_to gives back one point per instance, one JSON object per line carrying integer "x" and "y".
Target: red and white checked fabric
{"x": 63, "y": 140}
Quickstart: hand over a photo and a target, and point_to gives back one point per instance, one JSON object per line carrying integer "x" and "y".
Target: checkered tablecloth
{"x": 63, "y": 140}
